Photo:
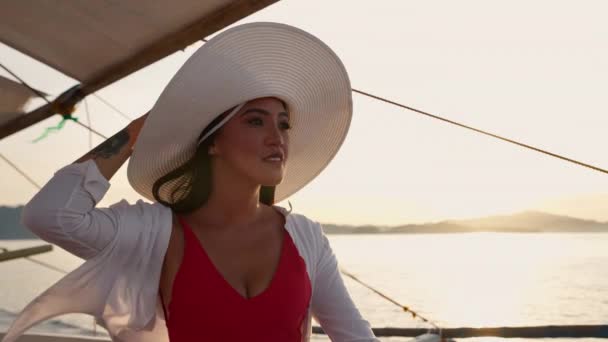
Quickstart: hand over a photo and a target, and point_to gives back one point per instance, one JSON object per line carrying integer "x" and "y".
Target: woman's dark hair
{"x": 191, "y": 182}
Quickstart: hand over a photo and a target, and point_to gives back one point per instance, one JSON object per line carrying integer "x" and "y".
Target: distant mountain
{"x": 349, "y": 229}
{"x": 533, "y": 221}
{"x": 524, "y": 222}
{"x": 10, "y": 226}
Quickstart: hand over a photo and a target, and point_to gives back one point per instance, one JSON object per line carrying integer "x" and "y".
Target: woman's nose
{"x": 274, "y": 136}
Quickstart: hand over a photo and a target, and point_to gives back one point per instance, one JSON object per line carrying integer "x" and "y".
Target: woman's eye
{"x": 285, "y": 125}
{"x": 256, "y": 121}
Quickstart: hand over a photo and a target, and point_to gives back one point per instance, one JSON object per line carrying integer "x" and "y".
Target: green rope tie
{"x": 59, "y": 126}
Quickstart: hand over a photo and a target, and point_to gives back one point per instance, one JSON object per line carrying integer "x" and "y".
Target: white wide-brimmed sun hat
{"x": 238, "y": 65}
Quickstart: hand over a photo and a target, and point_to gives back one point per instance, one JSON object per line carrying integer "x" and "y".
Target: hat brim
{"x": 241, "y": 64}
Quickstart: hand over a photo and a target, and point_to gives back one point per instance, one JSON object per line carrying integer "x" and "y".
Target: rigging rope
{"x": 125, "y": 116}
{"x": 58, "y": 109}
{"x": 44, "y": 97}
{"x": 86, "y": 108}
{"x": 23, "y": 82}
{"x": 403, "y": 307}
{"x": 29, "y": 179}
{"x": 480, "y": 131}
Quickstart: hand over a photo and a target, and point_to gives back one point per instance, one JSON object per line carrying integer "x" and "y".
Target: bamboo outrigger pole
{"x": 549, "y": 331}
{"x": 24, "y": 252}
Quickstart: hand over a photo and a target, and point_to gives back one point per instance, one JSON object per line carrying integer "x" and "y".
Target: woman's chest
{"x": 203, "y": 293}
{"x": 247, "y": 263}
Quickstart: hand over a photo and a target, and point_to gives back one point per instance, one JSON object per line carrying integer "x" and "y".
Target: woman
{"x": 212, "y": 258}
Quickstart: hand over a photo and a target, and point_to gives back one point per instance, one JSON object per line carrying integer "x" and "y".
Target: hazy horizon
{"x": 466, "y": 61}
{"x": 363, "y": 224}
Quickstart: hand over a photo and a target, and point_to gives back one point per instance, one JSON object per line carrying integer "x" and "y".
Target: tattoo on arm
{"x": 110, "y": 147}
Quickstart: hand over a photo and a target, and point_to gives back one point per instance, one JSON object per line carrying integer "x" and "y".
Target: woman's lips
{"x": 274, "y": 157}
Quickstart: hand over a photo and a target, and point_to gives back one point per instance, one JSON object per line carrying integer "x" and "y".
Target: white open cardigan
{"x": 124, "y": 247}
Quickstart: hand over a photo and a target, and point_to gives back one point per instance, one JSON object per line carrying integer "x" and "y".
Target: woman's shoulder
{"x": 305, "y": 221}
{"x": 297, "y": 219}
{"x": 302, "y": 227}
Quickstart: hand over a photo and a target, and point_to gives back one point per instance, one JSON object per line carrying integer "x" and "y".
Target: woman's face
{"x": 254, "y": 142}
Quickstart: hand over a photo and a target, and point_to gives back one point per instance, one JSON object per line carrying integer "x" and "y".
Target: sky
{"x": 533, "y": 71}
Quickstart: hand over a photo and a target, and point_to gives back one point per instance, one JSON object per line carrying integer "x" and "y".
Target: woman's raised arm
{"x": 112, "y": 153}
{"x": 63, "y": 212}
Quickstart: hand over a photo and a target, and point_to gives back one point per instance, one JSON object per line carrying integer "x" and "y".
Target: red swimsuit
{"x": 205, "y": 307}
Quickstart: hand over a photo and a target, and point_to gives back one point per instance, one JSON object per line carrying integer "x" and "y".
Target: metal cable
{"x": 481, "y": 131}
{"x": 29, "y": 179}
{"x": 47, "y": 100}
{"x": 125, "y": 116}
{"x": 403, "y": 307}
{"x": 86, "y": 108}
